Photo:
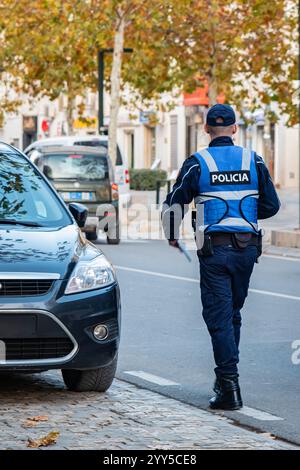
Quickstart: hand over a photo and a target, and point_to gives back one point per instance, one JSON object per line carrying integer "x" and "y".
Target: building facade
{"x": 165, "y": 141}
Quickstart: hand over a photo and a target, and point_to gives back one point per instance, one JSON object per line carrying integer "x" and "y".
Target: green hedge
{"x": 145, "y": 180}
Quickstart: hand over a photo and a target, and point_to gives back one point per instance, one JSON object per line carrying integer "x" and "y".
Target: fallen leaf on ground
{"x": 47, "y": 440}
{"x": 31, "y": 422}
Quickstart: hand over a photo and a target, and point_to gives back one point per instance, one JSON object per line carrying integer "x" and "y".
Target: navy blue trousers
{"x": 224, "y": 282}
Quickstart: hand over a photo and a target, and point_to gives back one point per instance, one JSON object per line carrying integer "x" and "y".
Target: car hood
{"x": 40, "y": 250}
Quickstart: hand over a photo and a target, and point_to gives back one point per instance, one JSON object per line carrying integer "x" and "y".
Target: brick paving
{"x": 126, "y": 417}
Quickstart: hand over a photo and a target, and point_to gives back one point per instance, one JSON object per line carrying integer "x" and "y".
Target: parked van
{"x": 120, "y": 169}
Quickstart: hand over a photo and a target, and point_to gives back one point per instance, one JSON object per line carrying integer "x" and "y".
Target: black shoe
{"x": 217, "y": 385}
{"x": 228, "y": 395}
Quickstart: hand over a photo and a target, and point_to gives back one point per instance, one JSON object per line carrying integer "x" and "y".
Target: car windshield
{"x": 25, "y": 198}
{"x": 98, "y": 143}
{"x": 76, "y": 166}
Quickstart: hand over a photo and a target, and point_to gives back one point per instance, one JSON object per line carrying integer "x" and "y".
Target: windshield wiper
{"x": 20, "y": 222}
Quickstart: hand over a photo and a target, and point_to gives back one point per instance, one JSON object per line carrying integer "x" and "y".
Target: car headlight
{"x": 89, "y": 275}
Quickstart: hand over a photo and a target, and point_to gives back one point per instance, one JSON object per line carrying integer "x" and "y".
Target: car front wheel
{"x": 113, "y": 238}
{"x": 92, "y": 236}
{"x": 93, "y": 380}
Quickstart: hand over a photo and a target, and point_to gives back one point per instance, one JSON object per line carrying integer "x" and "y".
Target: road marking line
{"x": 189, "y": 279}
{"x": 258, "y": 414}
{"x": 274, "y": 294}
{"x": 153, "y": 273}
{"x": 151, "y": 378}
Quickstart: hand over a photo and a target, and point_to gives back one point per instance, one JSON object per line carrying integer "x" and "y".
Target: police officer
{"x": 233, "y": 187}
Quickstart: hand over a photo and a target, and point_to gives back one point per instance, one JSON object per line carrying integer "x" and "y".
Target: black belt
{"x": 226, "y": 238}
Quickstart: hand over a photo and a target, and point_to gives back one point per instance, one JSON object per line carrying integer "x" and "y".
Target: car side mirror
{"x": 79, "y": 212}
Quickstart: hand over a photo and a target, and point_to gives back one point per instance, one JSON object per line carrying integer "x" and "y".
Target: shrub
{"x": 145, "y": 180}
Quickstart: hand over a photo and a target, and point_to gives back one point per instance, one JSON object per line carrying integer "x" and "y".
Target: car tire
{"x": 92, "y": 380}
{"x": 92, "y": 236}
{"x": 116, "y": 239}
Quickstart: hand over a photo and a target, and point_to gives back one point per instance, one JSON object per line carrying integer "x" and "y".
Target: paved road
{"x": 164, "y": 335}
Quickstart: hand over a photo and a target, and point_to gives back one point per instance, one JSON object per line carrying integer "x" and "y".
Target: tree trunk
{"x": 70, "y": 112}
{"x": 115, "y": 79}
{"x": 212, "y": 92}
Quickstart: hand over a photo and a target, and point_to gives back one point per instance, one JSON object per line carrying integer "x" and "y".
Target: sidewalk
{"x": 288, "y": 215}
{"x": 126, "y": 417}
{"x": 285, "y": 252}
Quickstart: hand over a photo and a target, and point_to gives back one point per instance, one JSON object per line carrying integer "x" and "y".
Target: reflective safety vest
{"x": 228, "y": 190}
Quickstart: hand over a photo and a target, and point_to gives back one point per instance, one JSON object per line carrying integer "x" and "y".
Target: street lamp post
{"x": 101, "y": 52}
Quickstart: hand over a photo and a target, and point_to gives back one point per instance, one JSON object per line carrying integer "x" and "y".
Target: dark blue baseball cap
{"x": 220, "y": 115}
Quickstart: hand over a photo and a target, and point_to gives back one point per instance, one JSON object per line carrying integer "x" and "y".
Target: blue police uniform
{"x": 235, "y": 188}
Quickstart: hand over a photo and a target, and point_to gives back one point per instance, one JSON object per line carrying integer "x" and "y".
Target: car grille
{"x": 16, "y": 288}
{"x": 37, "y": 348}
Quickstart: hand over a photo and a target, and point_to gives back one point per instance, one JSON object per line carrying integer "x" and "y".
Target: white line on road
{"x": 150, "y": 377}
{"x": 190, "y": 279}
{"x": 274, "y": 294}
{"x": 153, "y": 273}
{"x": 258, "y": 414}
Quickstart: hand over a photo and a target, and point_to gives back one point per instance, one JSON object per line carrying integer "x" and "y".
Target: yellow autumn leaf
{"x": 48, "y": 440}
{"x": 34, "y": 420}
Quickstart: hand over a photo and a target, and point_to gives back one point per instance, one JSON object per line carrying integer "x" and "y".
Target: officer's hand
{"x": 173, "y": 243}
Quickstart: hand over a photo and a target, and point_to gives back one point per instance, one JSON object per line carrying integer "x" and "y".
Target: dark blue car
{"x": 59, "y": 297}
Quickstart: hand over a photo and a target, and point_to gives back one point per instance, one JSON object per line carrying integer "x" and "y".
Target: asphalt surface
{"x": 163, "y": 334}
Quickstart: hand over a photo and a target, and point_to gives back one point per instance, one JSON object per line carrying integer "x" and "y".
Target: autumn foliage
{"x": 246, "y": 49}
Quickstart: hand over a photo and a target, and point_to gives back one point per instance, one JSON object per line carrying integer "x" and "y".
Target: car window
{"x": 98, "y": 144}
{"x": 76, "y": 166}
{"x": 24, "y": 194}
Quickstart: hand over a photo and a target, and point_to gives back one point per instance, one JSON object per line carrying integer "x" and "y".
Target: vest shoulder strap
{"x": 208, "y": 158}
{"x": 205, "y": 155}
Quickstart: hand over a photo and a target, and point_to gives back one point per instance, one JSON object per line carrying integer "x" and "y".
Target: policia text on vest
{"x": 229, "y": 177}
